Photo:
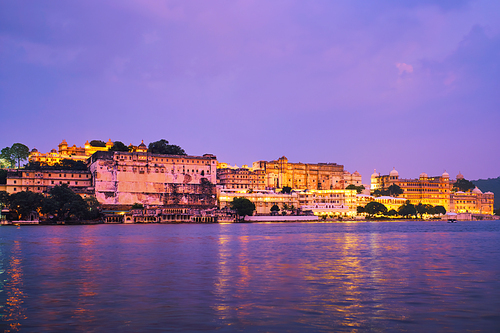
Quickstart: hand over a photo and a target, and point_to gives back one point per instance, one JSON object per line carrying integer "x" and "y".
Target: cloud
{"x": 404, "y": 68}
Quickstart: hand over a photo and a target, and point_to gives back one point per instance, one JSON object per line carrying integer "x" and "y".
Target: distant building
{"x": 76, "y": 153}
{"x": 241, "y": 178}
{"x": 263, "y": 200}
{"x": 436, "y": 191}
{"x": 125, "y": 178}
{"x": 301, "y": 176}
{"x": 41, "y": 181}
{"x": 333, "y": 203}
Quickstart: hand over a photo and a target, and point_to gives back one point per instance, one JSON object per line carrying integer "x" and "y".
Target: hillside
{"x": 490, "y": 184}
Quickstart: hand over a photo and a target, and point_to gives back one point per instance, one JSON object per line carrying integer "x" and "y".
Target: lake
{"x": 255, "y": 277}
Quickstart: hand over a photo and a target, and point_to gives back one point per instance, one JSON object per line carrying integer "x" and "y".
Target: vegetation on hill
{"x": 492, "y": 185}
{"x": 162, "y": 147}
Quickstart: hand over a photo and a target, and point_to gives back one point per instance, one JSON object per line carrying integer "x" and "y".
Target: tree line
{"x": 61, "y": 204}
{"x": 406, "y": 210}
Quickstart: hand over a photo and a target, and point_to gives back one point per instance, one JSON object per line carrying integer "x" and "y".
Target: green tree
{"x": 18, "y": 152}
{"x": 275, "y": 209}
{"x": 463, "y": 185}
{"x": 64, "y": 204}
{"x": 119, "y": 146}
{"x": 374, "y": 208}
{"x": 3, "y": 176}
{"x": 440, "y": 210}
{"x": 93, "y": 208}
{"x": 407, "y": 209}
{"x": 242, "y": 206}
{"x": 360, "y": 209}
{"x": 421, "y": 209}
{"x": 137, "y": 206}
{"x": 358, "y": 189}
{"x": 7, "y": 158}
{"x": 392, "y": 212}
{"x": 4, "y": 199}
{"x": 22, "y": 204}
{"x": 497, "y": 211}
{"x": 162, "y": 147}
{"x": 394, "y": 190}
{"x": 97, "y": 143}
{"x": 286, "y": 189}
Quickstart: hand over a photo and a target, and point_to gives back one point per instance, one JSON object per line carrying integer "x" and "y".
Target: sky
{"x": 412, "y": 84}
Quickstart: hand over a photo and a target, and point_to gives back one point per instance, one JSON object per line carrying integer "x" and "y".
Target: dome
{"x": 423, "y": 175}
{"x": 460, "y": 176}
{"x": 34, "y": 150}
{"x": 394, "y": 173}
{"x": 477, "y": 191}
{"x": 356, "y": 173}
{"x": 109, "y": 143}
{"x": 489, "y": 192}
{"x": 375, "y": 174}
{"x": 445, "y": 174}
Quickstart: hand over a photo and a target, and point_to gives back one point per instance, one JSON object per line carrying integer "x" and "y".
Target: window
{"x": 15, "y": 182}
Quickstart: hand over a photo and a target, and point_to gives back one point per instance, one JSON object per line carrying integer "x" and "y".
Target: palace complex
{"x": 171, "y": 186}
{"x": 436, "y": 191}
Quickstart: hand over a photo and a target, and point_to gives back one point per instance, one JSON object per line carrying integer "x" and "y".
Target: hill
{"x": 490, "y": 184}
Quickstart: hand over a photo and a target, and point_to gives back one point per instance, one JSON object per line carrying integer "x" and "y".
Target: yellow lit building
{"x": 263, "y": 200}
{"x": 339, "y": 202}
{"x": 67, "y": 152}
{"x": 301, "y": 176}
{"x": 426, "y": 190}
{"x": 475, "y": 202}
{"x": 241, "y": 178}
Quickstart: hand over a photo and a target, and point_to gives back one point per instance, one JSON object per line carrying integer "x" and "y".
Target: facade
{"x": 340, "y": 202}
{"x": 475, "y": 202}
{"x": 301, "y": 176}
{"x": 426, "y": 190}
{"x": 263, "y": 200}
{"x": 241, "y": 178}
{"x": 41, "y": 181}
{"x": 436, "y": 191}
{"x": 67, "y": 152}
{"x": 125, "y": 178}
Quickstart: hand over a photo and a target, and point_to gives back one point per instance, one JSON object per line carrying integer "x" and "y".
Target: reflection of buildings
{"x": 436, "y": 191}
{"x": 123, "y": 178}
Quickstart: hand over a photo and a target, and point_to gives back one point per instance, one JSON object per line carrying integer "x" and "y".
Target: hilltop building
{"x": 125, "y": 178}
{"x": 76, "y": 153}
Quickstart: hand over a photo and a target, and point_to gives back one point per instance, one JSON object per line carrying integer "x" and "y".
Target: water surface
{"x": 287, "y": 277}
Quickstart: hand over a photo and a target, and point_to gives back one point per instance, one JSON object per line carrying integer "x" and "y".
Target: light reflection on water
{"x": 410, "y": 276}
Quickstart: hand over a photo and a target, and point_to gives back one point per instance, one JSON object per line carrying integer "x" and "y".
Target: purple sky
{"x": 368, "y": 84}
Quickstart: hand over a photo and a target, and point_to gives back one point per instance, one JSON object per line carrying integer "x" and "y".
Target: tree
{"x": 3, "y": 176}
{"x": 394, "y": 190}
{"x": 162, "y": 147}
{"x": 275, "y": 209}
{"x": 497, "y": 211}
{"x": 137, "y": 206}
{"x": 64, "y": 204}
{"x": 374, "y": 208}
{"x": 463, "y": 185}
{"x": 286, "y": 189}
{"x": 119, "y": 146}
{"x": 94, "y": 208}
{"x": 4, "y": 199}
{"x": 421, "y": 209}
{"x": 243, "y": 206}
{"x": 440, "y": 210}
{"x": 22, "y": 204}
{"x": 18, "y": 152}
{"x": 360, "y": 209}
{"x": 392, "y": 212}
{"x": 7, "y": 159}
{"x": 407, "y": 209}
{"x": 358, "y": 189}
{"x": 97, "y": 143}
